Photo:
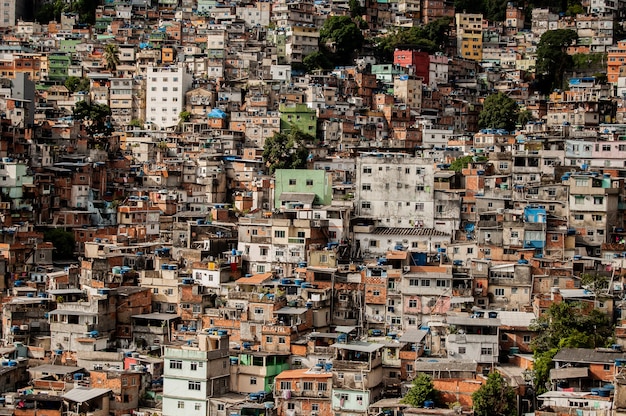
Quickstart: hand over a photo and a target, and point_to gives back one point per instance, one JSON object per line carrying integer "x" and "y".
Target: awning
{"x": 81, "y": 395}
{"x": 461, "y": 299}
{"x": 287, "y": 310}
{"x": 413, "y": 335}
{"x": 359, "y": 346}
{"x": 345, "y": 329}
{"x": 569, "y": 372}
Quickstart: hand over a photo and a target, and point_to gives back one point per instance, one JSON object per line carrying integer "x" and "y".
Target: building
{"x": 469, "y": 36}
{"x": 194, "y": 373}
{"x": 165, "y": 94}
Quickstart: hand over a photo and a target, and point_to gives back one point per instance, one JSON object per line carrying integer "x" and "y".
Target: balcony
{"x": 293, "y": 240}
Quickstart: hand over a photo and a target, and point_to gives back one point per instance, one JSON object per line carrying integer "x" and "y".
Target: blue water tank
{"x": 602, "y": 392}
{"x": 429, "y": 404}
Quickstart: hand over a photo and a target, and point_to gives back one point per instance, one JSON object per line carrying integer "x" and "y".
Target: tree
{"x": 316, "y": 60}
{"x": 422, "y": 390}
{"x": 96, "y": 117}
{"x": 566, "y": 325}
{"x": 287, "y": 150}
{"x": 342, "y": 37}
{"x": 495, "y": 398}
{"x": 63, "y": 242}
{"x": 50, "y": 11}
{"x": 499, "y": 112}
{"x": 75, "y": 84}
{"x": 184, "y": 116}
{"x": 461, "y": 163}
{"x": 429, "y": 38}
{"x": 552, "y": 57}
{"x": 355, "y": 8}
{"x": 524, "y": 116}
{"x": 111, "y": 56}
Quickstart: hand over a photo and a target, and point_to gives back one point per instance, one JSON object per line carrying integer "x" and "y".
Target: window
{"x": 470, "y": 250}
{"x": 340, "y": 376}
{"x": 526, "y": 339}
{"x": 367, "y": 169}
{"x": 292, "y": 181}
{"x": 220, "y": 406}
{"x": 554, "y": 237}
{"x": 253, "y": 381}
{"x": 291, "y": 406}
{"x": 425, "y": 282}
{"x": 309, "y": 182}
{"x": 285, "y": 385}
{"x": 279, "y": 234}
{"x": 197, "y": 406}
{"x": 281, "y": 340}
{"x": 486, "y": 351}
{"x": 358, "y": 377}
{"x": 412, "y": 303}
{"x": 462, "y": 350}
{"x": 322, "y": 386}
{"x": 176, "y": 364}
{"x": 194, "y": 385}
{"x": 268, "y": 340}
{"x": 307, "y": 385}
{"x": 366, "y": 187}
{"x": 598, "y": 200}
{"x": 194, "y": 366}
{"x": 419, "y": 206}
{"x": 366, "y": 205}
{"x": 607, "y": 367}
{"x": 181, "y": 404}
{"x": 499, "y": 291}
{"x": 315, "y": 407}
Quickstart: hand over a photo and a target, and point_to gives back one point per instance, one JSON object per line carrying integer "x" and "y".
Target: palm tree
{"x": 111, "y": 56}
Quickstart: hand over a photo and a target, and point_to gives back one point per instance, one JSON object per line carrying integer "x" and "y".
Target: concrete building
{"x": 469, "y": 35}
{"x": 165, "y": 94}
{"x": 195, "y": 373}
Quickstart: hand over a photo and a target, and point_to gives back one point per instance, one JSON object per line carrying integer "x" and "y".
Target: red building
{"x": 418, "y": 62}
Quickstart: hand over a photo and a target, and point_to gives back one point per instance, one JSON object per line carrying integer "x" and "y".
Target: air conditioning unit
{"x": 451, "y": 353}
{"x": 406, "y": 268}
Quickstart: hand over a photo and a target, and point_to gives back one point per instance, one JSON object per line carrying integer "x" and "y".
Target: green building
{"x": 58, "y": 63}
{"x": 256, "y": 370}
{"x": 302, "y": 186}
{"x": 298, "y": 115}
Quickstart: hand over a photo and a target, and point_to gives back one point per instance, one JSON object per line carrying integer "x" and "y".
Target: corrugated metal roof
{"x": 81, "y": 395}
{"x": 409, "y": 231}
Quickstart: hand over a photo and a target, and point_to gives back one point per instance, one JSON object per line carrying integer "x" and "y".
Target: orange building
{"x": 304, "y": 392}
{"x": 615, "y": 60}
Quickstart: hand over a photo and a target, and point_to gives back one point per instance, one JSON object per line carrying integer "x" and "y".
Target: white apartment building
{"x": 165, "y": 94}
{"x": 194, "y": 373}
{"x": 396, "y": 188}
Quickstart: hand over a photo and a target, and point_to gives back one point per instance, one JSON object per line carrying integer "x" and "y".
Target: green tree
{"x": 355, "y": 8}
{"x": 75, "y": 84}
{"x": 96, "y": 117}
{"x": 287, "y": 150}
{"x": 316, "y": 60}
{"x": 184, "y": 116}
{"x": 566, "y": 325}
{"x": 343, "y": 37}
{"x": 50, "y": 11}
{"x": 86, "y": 10}
{"x": 430, "y": 38}
{"x": 111, "y": 56}
{"x": 136, "y": 122}
{"x": 499, "y": 112}
{"x": 63, "y": 242}
{"x": 422, "y": 390}
{"x": 461, "y": 163}
{"x": 524, "y": 116}
{"x": 495, "y": 398}
{"x": 552, "y": 57}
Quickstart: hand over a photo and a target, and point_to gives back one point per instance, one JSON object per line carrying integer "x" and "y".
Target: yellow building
{"x": 469, "y": 35}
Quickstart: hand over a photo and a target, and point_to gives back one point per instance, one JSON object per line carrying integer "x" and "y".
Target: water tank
{"x": 602, "y": 392}
{"x": 429, "y": 404}
{"x": 493, "y": 314}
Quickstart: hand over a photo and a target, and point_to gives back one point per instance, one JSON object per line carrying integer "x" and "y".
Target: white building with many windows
{"x": 194, "y": 373}
{"x": 165, "y": 94}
